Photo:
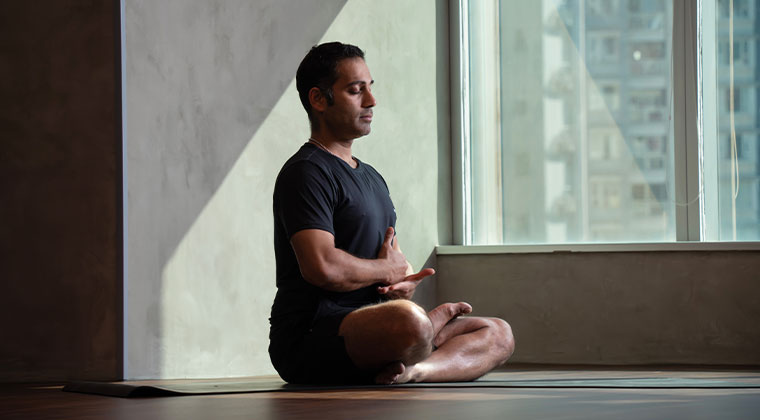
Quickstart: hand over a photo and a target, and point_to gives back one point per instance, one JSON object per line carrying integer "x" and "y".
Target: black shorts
{"x": 319, "y": 357}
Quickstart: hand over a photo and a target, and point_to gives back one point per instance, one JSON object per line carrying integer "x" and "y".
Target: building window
{"x": 741, "y": 8}
{"x": 602, "y": 8}
{"x": 603, "y": 47}
{"x": 742, "y": 52}
{"x": 597, "y": 158}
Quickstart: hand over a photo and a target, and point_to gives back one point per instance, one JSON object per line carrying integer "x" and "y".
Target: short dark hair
{"x": 320, "y": 69}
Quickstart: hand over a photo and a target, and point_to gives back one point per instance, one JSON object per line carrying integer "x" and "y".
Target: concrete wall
{"x": 616, "y": 308}
{"x": 60, "y": 275}
{"x": 212, "y": 114}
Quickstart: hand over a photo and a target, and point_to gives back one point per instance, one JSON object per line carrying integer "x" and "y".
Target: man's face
{"x": 350, "y": 115}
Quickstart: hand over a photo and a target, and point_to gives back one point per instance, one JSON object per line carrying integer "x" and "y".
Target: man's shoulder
{"x": 305, "y": 159}
{"x": 369, "y": 168}
{"x": 372, "y": 171}
{"x": 304, "y": 167}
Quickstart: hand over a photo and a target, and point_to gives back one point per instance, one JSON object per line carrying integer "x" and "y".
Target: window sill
{"x": 572, "y": 248}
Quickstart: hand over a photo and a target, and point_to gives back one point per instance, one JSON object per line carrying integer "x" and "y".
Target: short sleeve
{"x": 304, "y": 198}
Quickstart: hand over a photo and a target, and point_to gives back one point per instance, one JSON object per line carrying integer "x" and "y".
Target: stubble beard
{"x": 350, "y": 130}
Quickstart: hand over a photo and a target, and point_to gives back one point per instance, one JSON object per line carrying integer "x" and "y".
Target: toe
{"x": 464, "y": 308}
{"x": 390, "y": 373}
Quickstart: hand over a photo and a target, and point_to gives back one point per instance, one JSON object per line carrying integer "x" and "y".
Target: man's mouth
{"x": 366, "y": 117}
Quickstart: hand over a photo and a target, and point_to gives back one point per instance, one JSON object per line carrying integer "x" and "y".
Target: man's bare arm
{"x": 330, "y": 268}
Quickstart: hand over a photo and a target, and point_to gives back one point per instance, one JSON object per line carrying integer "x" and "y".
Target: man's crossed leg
{"x": 402, "y": 343}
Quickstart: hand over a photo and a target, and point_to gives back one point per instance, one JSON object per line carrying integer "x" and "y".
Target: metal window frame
{"x": 460, "y": 128}
{"x": 685, "y": 127}
{"x": 707, "y": 85}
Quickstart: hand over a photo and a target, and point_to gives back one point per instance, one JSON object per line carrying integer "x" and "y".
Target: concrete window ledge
{"x": 601, "y": 247}
{"x": 627, "y": 304}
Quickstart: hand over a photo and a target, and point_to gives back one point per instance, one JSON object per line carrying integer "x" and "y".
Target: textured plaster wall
{"x": 212, "y": 114}
{"x": 617, "y": 308}
{"x": 60, "y": 281}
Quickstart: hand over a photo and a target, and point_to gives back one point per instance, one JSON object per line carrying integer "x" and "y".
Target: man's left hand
{"x": 405, "y": 289}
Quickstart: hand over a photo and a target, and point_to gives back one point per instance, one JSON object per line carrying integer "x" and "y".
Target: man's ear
{"x": 317, "y": 100}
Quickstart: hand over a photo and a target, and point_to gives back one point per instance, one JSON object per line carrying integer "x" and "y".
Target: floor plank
{"x": 48, "y": 402}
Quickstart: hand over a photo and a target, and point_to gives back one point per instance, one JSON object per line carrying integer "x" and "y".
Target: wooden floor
{"x": 48, "y": 402}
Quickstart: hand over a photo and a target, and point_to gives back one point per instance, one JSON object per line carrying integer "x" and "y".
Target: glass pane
{"x": 571, "y": 137}
{"x": 737, "y": 156}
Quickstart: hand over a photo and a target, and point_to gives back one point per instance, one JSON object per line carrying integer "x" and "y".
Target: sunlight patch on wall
{"x": 219, "y": 284}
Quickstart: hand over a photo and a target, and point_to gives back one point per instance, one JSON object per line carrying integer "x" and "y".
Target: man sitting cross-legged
{"x": 342, "y": 312}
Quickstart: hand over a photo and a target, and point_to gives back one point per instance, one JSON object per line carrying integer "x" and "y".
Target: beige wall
{"x": 212, "y": 114}
{"x": 617, "y": 307}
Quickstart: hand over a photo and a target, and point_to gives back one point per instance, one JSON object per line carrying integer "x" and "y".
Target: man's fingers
{"x": 408, "y": 283}
{"x": 405, "y": 286}
{"x": 395, "y": 288}
{"x": 396, "y": 293}
{"x": 384, "y": 290}
{"x": 389, "y": 233}
{"x": 421, "y": 275}
{"x": 398, "y": 287}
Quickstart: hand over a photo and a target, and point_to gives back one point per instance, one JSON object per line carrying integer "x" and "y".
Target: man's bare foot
{"x": 390, "y": 374}
{"x": 398, "y": 373}
{"x": 442, "y": 314}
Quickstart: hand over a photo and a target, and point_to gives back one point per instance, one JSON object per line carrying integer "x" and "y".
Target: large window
{"x": 609, "y": 121}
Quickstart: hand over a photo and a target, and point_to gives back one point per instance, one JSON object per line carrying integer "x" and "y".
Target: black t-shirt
{"x": 317, "y": 190}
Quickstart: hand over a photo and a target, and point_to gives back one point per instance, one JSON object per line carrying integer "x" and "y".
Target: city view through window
{"x": 571, "y": 122}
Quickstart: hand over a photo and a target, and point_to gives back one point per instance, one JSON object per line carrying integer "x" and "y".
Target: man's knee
{"x": 409, "y": 328}
{"x": 502, "y": 337}
{"x": 398, "y": 330}
{"x": 415, "y": 330}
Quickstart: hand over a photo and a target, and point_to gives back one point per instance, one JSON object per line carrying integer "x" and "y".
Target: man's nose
{"x": 369, "y": 100}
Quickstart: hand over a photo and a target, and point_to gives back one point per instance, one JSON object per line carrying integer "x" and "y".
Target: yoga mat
{"x": 127, "y": 390}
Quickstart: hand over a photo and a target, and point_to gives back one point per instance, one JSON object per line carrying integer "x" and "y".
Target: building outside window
{"x": 578, "y": 143}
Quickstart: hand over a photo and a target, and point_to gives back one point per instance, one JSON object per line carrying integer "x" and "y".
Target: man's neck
{"x": 335, "y": 146}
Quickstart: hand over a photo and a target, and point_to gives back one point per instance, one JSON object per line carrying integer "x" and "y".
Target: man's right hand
{"x": 396, "y": 261}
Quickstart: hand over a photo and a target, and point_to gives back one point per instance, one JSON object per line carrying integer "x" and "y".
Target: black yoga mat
{"x": 127, "y": 390}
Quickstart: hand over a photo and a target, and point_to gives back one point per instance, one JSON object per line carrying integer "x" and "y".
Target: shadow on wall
{"x": 201, "y": 78}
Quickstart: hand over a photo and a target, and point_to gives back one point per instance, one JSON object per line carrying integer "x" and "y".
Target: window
{"x": 607, "y": 98}
{"x": 646, "y": 15}
{"x": 731, "y": 201}
{"x": 579, "y": 121}
{"x": 648, "y": 58}
{"x": 605, "y": 193}
{"x": 602, "y": 47}
{"x": 741, "y": 9}
{"x": 602, "y": 8}
{"x": 737, "y": 99}
{"x": 648, "y": 105}
{"x": 604, "y": 144}
{"x": 742, "y": 52}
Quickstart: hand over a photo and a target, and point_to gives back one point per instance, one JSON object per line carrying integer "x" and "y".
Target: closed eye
{"x": 358, "y": 87}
